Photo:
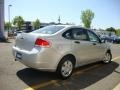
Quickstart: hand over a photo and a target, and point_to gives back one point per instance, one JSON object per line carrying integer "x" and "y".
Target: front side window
{"x": 75, "y": 34}
{"x": 93, "y": 37}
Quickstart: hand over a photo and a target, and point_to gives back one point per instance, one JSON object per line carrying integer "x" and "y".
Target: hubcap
{"x": 66, "y": 68}
{"x": 107, "y": 58}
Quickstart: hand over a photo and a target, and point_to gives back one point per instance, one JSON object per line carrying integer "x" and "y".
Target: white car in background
{"x": 60, "y": 48}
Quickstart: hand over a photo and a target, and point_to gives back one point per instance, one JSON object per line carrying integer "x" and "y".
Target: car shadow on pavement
{"x": 5, "y": 42}
{"x": 78, "y": 81}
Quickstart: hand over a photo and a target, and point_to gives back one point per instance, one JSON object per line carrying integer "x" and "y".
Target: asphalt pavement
{"x": 97, "y": 76}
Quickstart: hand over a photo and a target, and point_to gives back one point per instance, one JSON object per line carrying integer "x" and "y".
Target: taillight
{"x": 41, "y": 42}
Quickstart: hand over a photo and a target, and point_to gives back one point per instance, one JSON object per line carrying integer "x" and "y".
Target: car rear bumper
{"x": 35, "y": 59}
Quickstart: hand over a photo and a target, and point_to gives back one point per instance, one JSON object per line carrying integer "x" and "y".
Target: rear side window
{"x": 49, "y": 29}
{"x": 68, "y": 34}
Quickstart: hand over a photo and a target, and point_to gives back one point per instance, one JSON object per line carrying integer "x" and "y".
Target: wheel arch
{"x": 109, "y": 51}
{"x": 70, "y": 56}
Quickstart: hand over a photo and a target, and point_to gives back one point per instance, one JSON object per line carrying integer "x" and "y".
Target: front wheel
{"x": 65, "y": 68}
{"x": 108, "y": 57}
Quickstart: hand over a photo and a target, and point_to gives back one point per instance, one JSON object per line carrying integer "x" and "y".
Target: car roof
{"x": 72, "y": 26}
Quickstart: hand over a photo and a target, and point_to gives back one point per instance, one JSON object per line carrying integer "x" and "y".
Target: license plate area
{"x": 18, "y": 55}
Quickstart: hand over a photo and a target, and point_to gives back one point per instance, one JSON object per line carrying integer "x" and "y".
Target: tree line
{"x": 86, "y": 17}
{"x": 18, "y": 22}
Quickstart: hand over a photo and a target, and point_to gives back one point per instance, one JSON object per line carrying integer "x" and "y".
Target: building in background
{"x": 2, "y": 36}
{"x": 27, "y": 26}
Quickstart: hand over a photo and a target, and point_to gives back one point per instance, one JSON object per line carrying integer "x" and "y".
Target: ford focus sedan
{"x": 60, "y": 48}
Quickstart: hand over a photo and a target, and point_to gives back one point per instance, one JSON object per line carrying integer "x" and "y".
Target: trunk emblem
{"x": 22, "y": 37}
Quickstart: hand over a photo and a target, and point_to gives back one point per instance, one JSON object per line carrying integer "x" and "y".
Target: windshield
{"x": 49, "y": 29}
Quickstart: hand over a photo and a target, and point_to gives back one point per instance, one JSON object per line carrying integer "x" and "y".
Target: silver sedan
{"x": 60, "y": 48}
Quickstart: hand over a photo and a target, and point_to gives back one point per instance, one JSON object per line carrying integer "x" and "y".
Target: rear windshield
{"x": 48, "y": 29}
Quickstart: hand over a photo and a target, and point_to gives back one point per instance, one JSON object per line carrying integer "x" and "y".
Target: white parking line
{"x": 117, "y": 87}
{"x": 115, "y": 58}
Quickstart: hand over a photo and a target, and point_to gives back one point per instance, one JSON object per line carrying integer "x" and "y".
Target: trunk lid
{"x": 26, "y": 41}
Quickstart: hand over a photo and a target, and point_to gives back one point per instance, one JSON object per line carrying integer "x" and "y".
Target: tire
{"x": 108, "y": 57}
{"x": 65, "y": 68}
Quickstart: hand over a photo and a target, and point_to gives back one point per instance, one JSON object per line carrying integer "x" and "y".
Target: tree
{"x": 18, "y": 21}
{"x": 7, "y": 25}
{"x": 36, "y": 24}
{"x": 111, "y": 29}
{"x": 118, "y": 32}
{"x": 87, "y": 17}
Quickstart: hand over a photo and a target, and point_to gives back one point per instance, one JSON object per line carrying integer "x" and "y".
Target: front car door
{"x": 80, "y": 45}
{"x": 97, "y": 49}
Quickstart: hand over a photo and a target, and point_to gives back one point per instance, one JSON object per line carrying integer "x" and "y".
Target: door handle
{"x": 77, "y": 42}
{"x": 94, "y": 44}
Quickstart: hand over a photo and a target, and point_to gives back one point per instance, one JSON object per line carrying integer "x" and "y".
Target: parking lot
{"x": 97, "y": 76}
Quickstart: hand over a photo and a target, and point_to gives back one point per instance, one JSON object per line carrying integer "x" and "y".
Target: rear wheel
{"x": 108, "y": 57}
{"x": 65, "y": 68}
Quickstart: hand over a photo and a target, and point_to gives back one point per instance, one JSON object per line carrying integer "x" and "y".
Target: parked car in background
{"x": 10, "y": 33}
{"x": 17, "y": 32}
{"x": 21, "y": 31}
{"x": 105, "y": 38}
{"x": 115, "y": 39}
{"x": 111, "y": 39}
{"x": 60, "y": 48}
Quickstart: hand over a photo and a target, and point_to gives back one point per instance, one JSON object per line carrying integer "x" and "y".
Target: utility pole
{"x": 59, "y": 19}
{"x": 9, "y": 16}
{"x": 2, "y": 35}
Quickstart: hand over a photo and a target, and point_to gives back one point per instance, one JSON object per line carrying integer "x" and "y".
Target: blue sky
{"x": 107, "y": 12}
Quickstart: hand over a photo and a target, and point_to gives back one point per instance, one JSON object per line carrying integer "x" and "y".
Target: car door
{"x": 96, "y": 48}
{"x": 80, "y": 45}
